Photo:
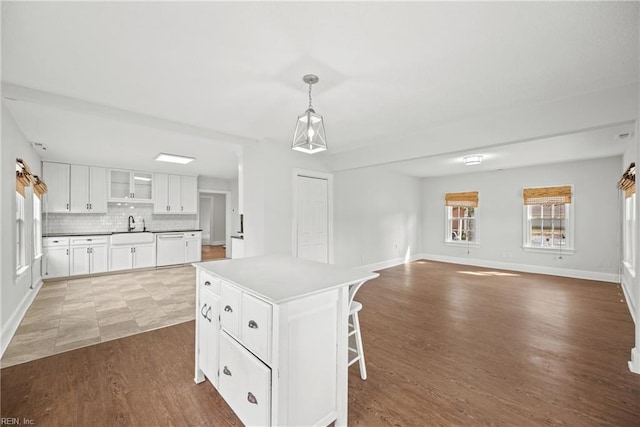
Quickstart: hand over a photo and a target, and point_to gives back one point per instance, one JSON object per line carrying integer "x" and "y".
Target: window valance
{"x": 467, "y": 199}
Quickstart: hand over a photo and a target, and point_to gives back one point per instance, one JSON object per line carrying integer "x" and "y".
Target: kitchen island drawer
{"x": 245, "y": 383}
{"x": 209, "y": 281}
{"x": 256, "y": 326}
{"x": 49, "y": 242}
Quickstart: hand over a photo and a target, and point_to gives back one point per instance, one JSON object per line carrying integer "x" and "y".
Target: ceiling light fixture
{"x": 310, "y": 137}
{"x": 472, "y": 160}
{"x": 174, "y": 158}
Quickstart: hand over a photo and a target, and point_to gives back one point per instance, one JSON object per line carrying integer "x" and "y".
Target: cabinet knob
{"x": 226, "y": 371}
{"x": 207, "y": 283}
{"x": 253, "y": 324}
{"x": 252, "y": 399}
{"x": 228, "y": 309}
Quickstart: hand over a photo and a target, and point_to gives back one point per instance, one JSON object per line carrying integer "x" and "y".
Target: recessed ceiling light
{"x": 174, "y": 158}
{"x": 472, "y": 160}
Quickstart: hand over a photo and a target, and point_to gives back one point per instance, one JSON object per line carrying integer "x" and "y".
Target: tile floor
{"x": 78, "y": 312}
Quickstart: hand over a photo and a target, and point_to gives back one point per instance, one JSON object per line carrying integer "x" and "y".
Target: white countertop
{"x": 279, "y": 279}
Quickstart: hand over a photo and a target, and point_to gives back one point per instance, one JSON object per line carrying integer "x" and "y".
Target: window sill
{"x": 463, "y": 243}
{"x": 630, "y": 269}
{"x": 21, "y": 271}
{"x": 555, "y": 251}
{"x": 37, "y": 257}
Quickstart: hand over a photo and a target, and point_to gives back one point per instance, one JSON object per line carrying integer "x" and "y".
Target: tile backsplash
{"x": 116, "y": 219}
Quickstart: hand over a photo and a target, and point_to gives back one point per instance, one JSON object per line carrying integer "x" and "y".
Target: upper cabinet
{"x": 56, "y": 175}
{"x": 130, "y": 186}
{"x": 88, "y": 189}
{"x": 175, "y": 194}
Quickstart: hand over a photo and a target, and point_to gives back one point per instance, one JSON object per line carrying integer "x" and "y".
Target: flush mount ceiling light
{"x": 174, "y": 158}
{"x": 472, "y": 160}
{"x": 309, "y": 137}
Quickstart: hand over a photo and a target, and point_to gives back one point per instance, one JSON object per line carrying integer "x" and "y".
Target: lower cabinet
{"x": 209, "y": 321}
{"x": 193, "y": 247}
{"x": 245, "y": 383}
{"x": 126, "y": 257}
{"x": 55, "y": 259}
{"x": 88, "y": 255}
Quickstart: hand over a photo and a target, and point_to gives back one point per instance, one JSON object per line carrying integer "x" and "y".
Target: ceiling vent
{"x": 39, "y": 146}
{"x": 624, "y": 136}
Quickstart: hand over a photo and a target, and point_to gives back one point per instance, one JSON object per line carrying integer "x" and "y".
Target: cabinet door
{"x": 208, "y": 332}
{"x": 144, "y": 256}
{"x": 256, "y": 326}
{"x": 245, "y": 383}
{"x": 230, "y": 309}
{"x": 120, "y": 258}
{"x": 79, "y": 185}
{"x": 192, "y": 250}
{"x": 175, "y": 189}
{"x": 189, "y": 195}
{"x": 56, "y": 175}
{"x": 119, "y": 185}
{"x": 79, "y": 262}
{"x": 99, "y": 257}
{"x": 142, "y": 186}
{"x": 97, "y": 190}
{"x": 160, "y": 193}
{"x": 56, "y": 262}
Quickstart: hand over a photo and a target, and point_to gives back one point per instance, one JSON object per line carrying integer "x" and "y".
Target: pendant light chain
{"x": 310, "y": 106}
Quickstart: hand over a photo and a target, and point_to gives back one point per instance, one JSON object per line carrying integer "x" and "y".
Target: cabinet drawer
{"x": 89, "y": 240}
{"x": 256, "y": 326}
{"x": 49, "y": 242}
{"x": 230, "y": 300}
{"x": 209, "y": 281}
{"x": 245, "y": 383}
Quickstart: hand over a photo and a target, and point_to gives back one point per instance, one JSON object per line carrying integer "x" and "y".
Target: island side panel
{"x": 198, "y": 375}
{"x": 308, "y": 338}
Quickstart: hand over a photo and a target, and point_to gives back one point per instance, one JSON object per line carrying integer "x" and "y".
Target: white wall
{"x": 377, "y": 217}
{"x": 219, "y": 219}
{"x": 212, "y": 183}
{"x": 15, "y": 292}
{"x": 268, "y": 194}
{"x": 597, "y": 221}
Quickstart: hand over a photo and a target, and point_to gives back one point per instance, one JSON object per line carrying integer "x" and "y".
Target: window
{"x": 630, "y": 231}
{"x": 548, "y": 219}
{"x": 462, "y": 219}
{"x": 20, "y": 243}
{"x": 37, "y": 226}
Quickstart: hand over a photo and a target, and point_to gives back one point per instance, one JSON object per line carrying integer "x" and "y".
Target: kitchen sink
{"x": 132, "y": 238}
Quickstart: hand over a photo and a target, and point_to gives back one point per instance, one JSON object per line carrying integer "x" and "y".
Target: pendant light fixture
{"x": 309, "y": 137}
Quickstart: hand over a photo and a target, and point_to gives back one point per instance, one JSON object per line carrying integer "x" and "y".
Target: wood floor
{"x": 445, "y": 345}
{"x": 213, "y": 252}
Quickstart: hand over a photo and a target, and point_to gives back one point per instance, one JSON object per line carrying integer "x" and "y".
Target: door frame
{"x": 294, "y": 223}
{"x": 227, "y": 215}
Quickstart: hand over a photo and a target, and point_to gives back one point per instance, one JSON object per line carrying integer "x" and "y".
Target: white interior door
{"x": 312, "y": 220}
{"x": 205, "y": 219}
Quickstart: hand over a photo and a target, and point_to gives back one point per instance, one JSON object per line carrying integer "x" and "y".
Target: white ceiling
{"x": 116, "y": 83}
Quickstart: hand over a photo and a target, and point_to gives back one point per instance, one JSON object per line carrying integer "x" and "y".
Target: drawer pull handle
{"x": 207, "y": 283}
{"x": 228, "y": 309}
{"x": 253, "y": 324}
{"x": 207, "y": 315}
{"x": 204, "y": 307}
{"x": 252, "y": 399}
{"x": 226, "y": 371}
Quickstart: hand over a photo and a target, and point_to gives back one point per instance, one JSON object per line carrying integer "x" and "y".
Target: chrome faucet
{"x": 131, "y": 221}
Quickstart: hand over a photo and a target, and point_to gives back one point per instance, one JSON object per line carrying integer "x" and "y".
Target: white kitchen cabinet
{"x": 88, "y": 189}
{"x": 175, "y": 194}
{"x": 130, "y": 186}
{"x": 88, "y": 255}
{"x": 209, "y": 315}
{"x": 283, "y": 338}
{"x": 56, "y": 175}
{"x": 125, "y": 257}
{"x": 193, "y": 246}
{"x": 55, "y": 251}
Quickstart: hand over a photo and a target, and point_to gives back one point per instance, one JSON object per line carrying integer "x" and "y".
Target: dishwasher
{"x": 170, "y": 249}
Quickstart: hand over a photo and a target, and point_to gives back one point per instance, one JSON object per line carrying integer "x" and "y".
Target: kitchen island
{"x": 271, "y": 336}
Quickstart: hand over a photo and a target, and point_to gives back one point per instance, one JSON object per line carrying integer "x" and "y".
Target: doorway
{"x": 213, "y": 218}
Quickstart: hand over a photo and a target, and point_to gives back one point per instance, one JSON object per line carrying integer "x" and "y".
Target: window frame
{"x": 37, "y": 227}
{"x": 20, "y": 243}
{"x": 569, "y": 227}
{"x": 629, "y": 237}
{"x": 448, "y": 229}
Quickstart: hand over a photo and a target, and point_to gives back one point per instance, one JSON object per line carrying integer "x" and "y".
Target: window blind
{"x": 628, "y": 181}
{"x": 468, "y": 199}
{"x": 39, "y": 187}
{"x": 547, "y": 195}
{"x": 23, "y": 176}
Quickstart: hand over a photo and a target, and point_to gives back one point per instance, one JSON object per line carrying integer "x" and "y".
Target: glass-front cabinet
{"x": 130, "y": 186}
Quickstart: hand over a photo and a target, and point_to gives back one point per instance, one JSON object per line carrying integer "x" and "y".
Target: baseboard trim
{"x": 526, "y": 268}
{"x": 11, "y": 326}
{"x": 630, "y": 302}
{"x": 634, "y": 363}
{"x": 391, "y": 263}
{"x": 218, "y": 242}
